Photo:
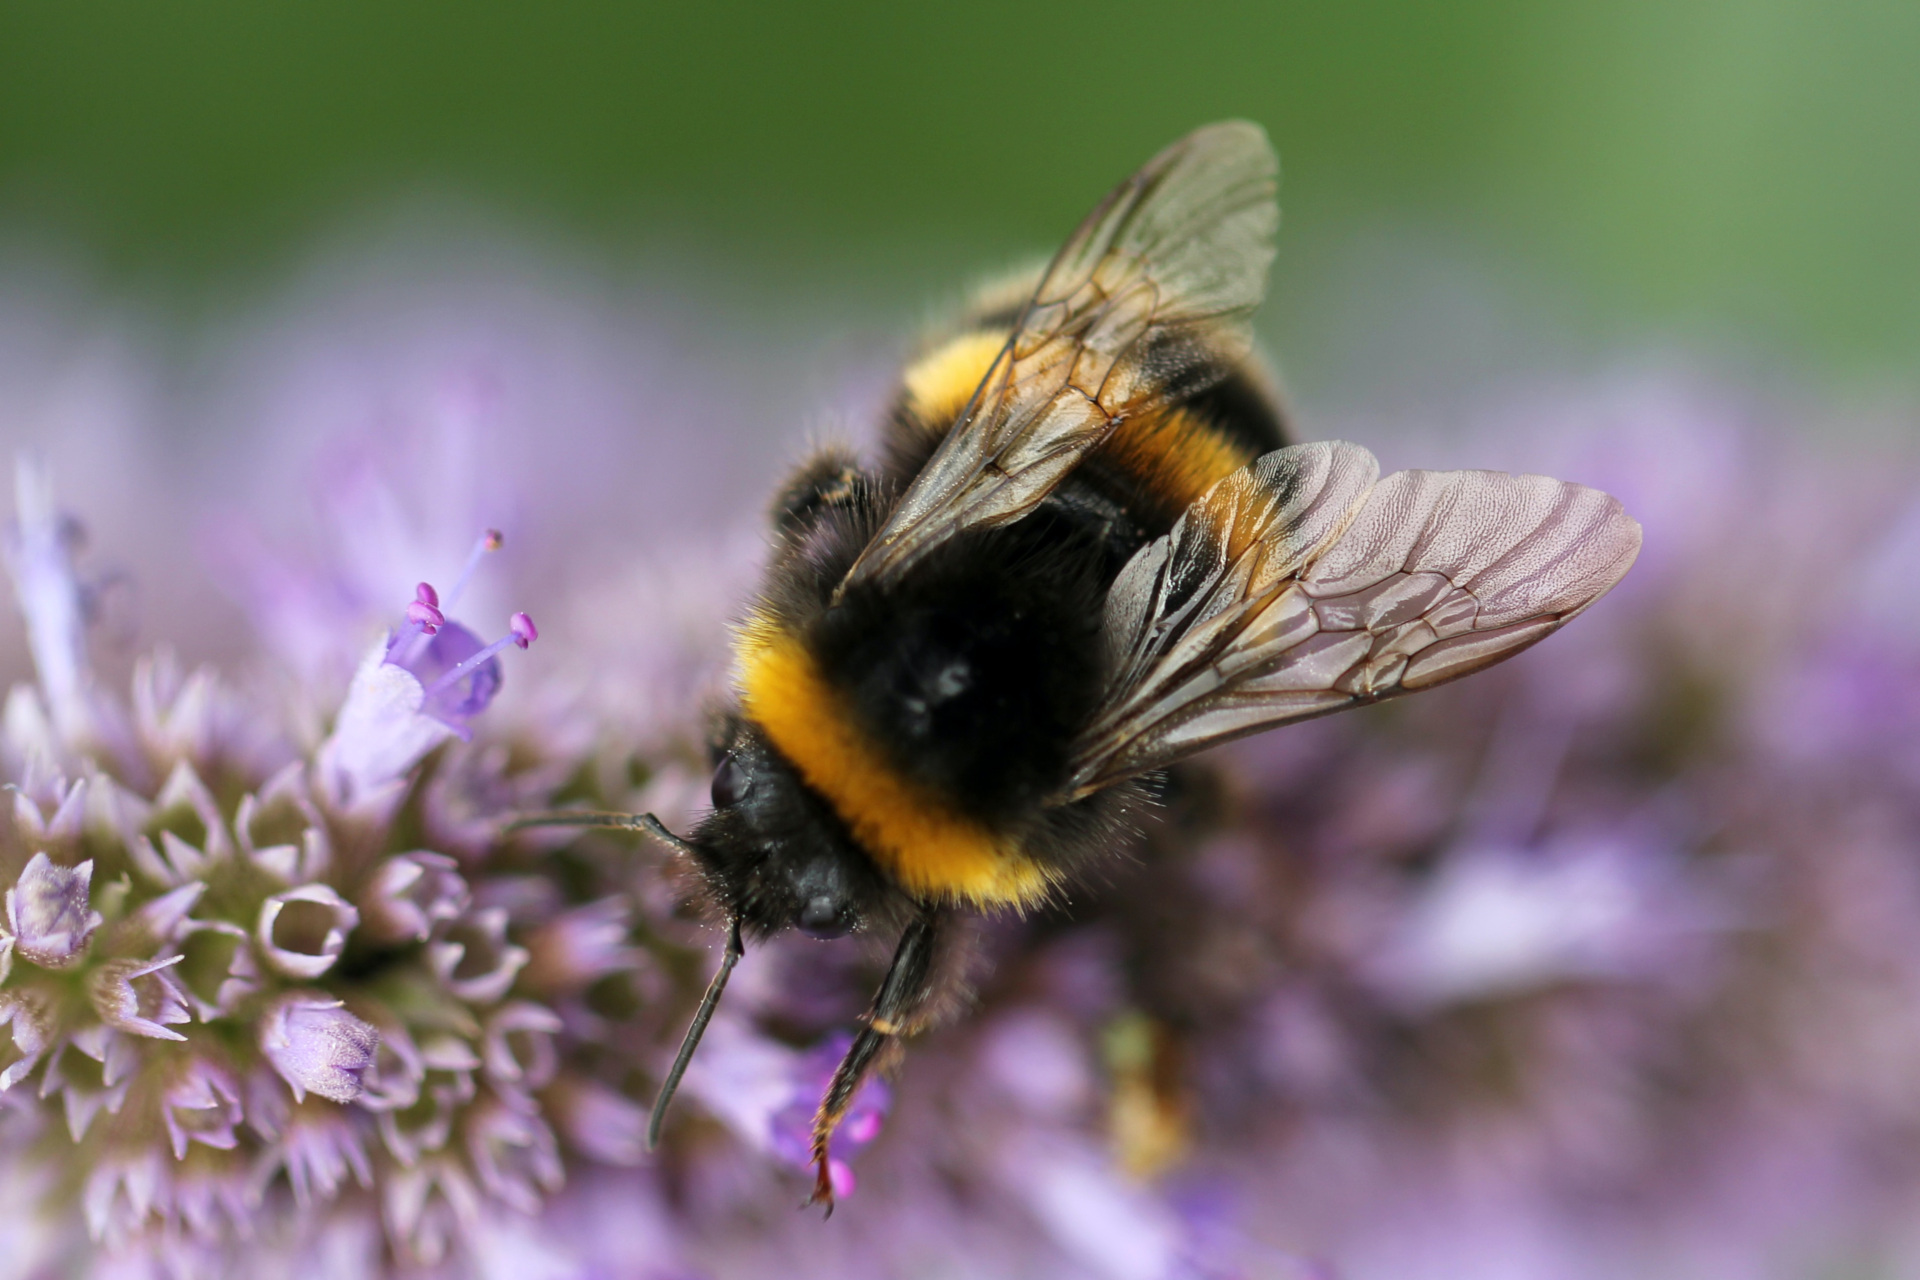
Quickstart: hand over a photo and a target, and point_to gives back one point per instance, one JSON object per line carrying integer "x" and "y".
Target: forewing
{"x": 1147, "y": 301}
{"x": 1260, "y": 607}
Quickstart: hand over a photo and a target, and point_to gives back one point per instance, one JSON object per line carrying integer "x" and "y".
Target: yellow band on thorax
{"x": 1173, "y": 454}
{"x": 932, "y": 851}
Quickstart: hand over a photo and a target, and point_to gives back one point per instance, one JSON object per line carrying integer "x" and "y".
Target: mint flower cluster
{"x": 230, "y": 979}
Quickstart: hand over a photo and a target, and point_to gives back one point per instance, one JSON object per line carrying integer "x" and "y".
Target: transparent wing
{"x": 1147, "y": 301}
{"x": 1298, "y": 586}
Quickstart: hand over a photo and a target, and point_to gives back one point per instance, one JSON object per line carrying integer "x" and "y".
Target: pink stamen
{"x": 426, "y": 617}
{"x": 515, "y": 636}
{"x": 491, "y": 540}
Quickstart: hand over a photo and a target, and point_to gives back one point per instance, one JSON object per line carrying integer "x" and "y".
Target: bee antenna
{"x": 697, "y": 1028}
{"x": 589, "y": 818}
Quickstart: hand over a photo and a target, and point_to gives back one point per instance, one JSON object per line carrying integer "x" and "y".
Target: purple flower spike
{"x": 318, "y": 1047}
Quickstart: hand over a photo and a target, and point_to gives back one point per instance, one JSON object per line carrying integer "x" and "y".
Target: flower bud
{"x": 408, "y": 895}
{"x": 317, "y": 1046}
{"x": 202, "y": 1105}
{"x": 48, "y": 914}
{"x": 473, "y": 957}
{"x": 303, "y": 931}
{"x": 393, "y": 1082}
{"x": 219, "y": 969}
{"x": 139, "y": 996}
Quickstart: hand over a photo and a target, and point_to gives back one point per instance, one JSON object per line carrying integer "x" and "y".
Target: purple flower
{"x": 514, "y": 1154}
{"x": 202, "y": 1105}
{"x": 301, "y": 932}
{"x": 48, "y": 912}
{"x": 408, "y": 895}
{"x": 29, "y": 1021}
{"x": 40, "y": 556}
{"x": 424, "y": 685}
{"x": 140, "y": 997}
{"x": 598, "y": 1122}
{"x": 317, "y": 1046}
{"x": 577, "y": 948}
{"x": 473, "y": 957}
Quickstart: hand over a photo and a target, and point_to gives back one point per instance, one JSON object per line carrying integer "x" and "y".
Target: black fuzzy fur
{"x": 974, "y": 674}
{"x": 781, "y": 846}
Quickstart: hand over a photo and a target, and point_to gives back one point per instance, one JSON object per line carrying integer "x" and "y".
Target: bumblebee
{"x": 1086, "y": 552}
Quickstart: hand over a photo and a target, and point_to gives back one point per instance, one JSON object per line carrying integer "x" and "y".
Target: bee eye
{"x": 731, "y": 783}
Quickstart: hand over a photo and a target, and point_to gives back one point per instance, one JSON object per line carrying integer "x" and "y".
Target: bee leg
{"x": 896, "y": 1009}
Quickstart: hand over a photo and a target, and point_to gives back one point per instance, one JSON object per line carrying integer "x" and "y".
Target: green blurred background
{"x": 1737, "y": 175}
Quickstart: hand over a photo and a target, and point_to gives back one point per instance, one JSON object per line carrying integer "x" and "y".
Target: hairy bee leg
{"x": 896, "y": 1007}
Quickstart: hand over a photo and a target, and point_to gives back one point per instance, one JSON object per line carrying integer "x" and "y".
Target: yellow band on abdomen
{"x": 934, "y": 853}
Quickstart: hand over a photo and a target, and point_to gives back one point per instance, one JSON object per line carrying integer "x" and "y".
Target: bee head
{"x": 774, "y": 851}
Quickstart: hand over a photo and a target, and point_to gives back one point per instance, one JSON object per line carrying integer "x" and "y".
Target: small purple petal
{"x": 381, "y": 732}
{"x": 579, "y": 947}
